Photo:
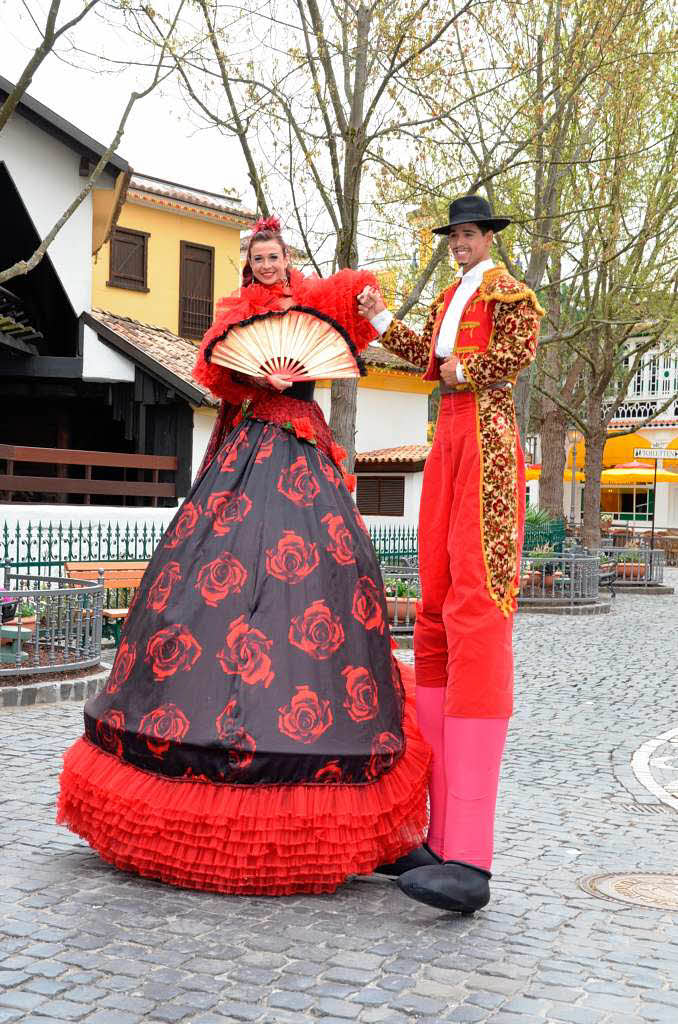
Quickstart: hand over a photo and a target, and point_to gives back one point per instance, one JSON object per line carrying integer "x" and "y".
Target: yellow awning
{"x": 617, "y": 450}
{"x": 636, "y": 473}
{"x": 534, "y": 473}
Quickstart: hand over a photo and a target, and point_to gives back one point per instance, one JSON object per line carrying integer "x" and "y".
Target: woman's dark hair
{"x": 267, "y": 230}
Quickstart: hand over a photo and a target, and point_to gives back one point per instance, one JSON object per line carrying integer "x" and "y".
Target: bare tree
{"x": 162, "y": 67}
{"x": 50, "y": 35}
{"x": 317, "y": 97}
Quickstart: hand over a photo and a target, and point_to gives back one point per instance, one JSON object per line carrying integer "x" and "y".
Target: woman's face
{"x": 268, "y": 262}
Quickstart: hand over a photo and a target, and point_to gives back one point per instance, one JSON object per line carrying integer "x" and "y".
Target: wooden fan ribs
{"x": 296, "y": 345}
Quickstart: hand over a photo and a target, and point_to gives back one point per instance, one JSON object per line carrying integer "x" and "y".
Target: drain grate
{"x": 647, "y": 808}
{"x": 640, "y": 890}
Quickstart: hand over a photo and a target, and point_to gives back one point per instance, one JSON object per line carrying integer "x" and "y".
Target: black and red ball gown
{"x": 254, "y": 736}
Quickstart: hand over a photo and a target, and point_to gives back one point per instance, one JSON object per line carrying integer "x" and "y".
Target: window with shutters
{"x": 381, "y": 495}
{"x": 196, "y": 289}
{"x": 129, "y": 260}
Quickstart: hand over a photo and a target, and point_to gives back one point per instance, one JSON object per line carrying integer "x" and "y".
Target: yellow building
{"x": 173, "y": 251}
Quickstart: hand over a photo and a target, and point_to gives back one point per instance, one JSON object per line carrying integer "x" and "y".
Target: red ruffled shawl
{"x": 334, "y": 296}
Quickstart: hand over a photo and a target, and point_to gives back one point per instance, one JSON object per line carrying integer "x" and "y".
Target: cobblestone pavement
{"x": 82, "y": 942}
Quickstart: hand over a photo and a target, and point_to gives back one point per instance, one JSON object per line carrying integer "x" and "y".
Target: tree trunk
{"x": 553, "y": 428}
{"x": 343, "y": 415}
{"x": 590, "y": 533}
{"x": 521, "y": 396}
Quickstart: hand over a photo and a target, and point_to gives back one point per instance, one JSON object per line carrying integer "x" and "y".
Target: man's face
{"x": 468, "y": 245}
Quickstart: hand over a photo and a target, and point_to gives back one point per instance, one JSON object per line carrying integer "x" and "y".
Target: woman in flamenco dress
{"x": 253, "y": 736}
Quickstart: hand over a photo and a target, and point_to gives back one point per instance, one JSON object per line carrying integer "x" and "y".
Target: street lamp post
{"x": 573, "y": 437}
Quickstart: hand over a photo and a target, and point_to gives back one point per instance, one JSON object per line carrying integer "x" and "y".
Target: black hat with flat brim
{"x": 472, "y": 210}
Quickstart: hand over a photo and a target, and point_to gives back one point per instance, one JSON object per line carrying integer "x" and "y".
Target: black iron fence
{"x": 49, "y": 624}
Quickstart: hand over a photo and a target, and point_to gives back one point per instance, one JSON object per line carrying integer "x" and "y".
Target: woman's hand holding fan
{"x": 284, "y": 347}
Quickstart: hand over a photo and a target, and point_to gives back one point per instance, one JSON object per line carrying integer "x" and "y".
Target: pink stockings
{"x": 467, "y": 756}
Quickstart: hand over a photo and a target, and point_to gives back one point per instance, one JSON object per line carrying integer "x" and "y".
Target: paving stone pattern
{"x": 80, "y": 941}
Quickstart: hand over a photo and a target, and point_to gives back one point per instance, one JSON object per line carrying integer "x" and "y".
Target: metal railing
{"x": 639, "y": 566}
{"x": 403, "y": 590}
{"x": 43, "y": 548}
{"x": 49, "y": 624}
{"x": 552, "y": 534}
{"x": 559, "y": 580}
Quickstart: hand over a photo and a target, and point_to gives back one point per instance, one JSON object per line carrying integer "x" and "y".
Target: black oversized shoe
{"x": 421, "y": 857}
{"x": 450, "y": 885}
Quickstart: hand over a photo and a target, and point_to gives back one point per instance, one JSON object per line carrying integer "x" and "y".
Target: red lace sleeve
{"x": 335, "y": 296}
{"x": 217, "y": 379}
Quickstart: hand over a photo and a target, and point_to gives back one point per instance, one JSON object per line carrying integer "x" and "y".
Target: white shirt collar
{"x": 476, "y": 273}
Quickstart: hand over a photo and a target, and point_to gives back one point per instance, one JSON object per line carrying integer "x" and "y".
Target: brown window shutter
{"x": 392, "y": 496}
{"x": 196, "y": 289}
{"x": 381, "y": 495}
{"x": 367, "y": 495}
{"x": 129, "y": 259}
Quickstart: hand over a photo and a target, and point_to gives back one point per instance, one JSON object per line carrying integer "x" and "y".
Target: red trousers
{"x": 462, "y": 639}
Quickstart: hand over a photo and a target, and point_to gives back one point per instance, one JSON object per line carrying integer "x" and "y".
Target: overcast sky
{"x": 161, "y": 139}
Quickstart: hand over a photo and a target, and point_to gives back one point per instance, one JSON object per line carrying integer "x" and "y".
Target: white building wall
{"x": 101, "y": 362}
{"x": 384, "y": 419}
{"x": 45, "y": 173}
{"x": 389, "y": 418}
{"x": 203, "y": 424}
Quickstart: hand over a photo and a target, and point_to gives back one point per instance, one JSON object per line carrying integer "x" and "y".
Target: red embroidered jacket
{"x": 497, "y": 335}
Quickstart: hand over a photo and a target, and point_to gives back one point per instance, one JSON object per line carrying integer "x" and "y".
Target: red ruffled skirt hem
{"x": 266, "y": 840}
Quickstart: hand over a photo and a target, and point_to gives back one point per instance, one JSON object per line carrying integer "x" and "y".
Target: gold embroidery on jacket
{"x": 496, "y": 431}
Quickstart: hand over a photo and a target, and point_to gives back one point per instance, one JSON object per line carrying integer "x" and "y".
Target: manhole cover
{"x": 641, "y": 890}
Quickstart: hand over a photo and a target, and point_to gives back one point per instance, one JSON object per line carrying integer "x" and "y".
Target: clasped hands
{"x": 370, "y": 303}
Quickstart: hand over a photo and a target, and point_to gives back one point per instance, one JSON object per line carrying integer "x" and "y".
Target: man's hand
{"x": 370, "y": 302}
{"x": 448, "y": 371}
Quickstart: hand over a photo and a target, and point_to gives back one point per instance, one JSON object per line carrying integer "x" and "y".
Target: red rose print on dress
{"x": 226, "y": 509}
{"x": 228, "y": 457}
{"x": 362, "y": 699}
{"x": 306, "y": 717}
{"x": 109, "y": 728}
{"x": 224, "y": 576}
{"x": 330, "y": 472}
{"x": 172, "y": 650}
{"x": 241, "y": 745}
{"x": 361, "y": 522}
{"x": 162, "y": 726}
{"x": 122, "y": 666}
{"x": 292, "y": 560}
{"x": 265, "y": 448}
{"x": 367, "y": 604}
{"x": 245, "y": 654}
{"x": 385, "y": 748}
{"x": 329, "y": 773}
{"x": 161, "y": 587}
{"x": 317, "y": 632}
{"x": 297, "y": 484}
{"x": 185, "y": 524}
{"x": 341, "y": 540}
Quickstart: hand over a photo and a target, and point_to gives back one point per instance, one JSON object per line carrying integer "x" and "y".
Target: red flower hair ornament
{"x": 265, "y": 224}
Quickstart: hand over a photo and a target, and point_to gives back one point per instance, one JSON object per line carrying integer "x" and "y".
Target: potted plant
{"x": 543, "y": 560}
{"x": 8, "y": 605}
{"x": 632, "y": 566}
{"x": 401, "y": 600}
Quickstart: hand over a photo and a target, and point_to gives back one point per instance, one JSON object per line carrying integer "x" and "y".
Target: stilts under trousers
{"x": 462, "y": 642}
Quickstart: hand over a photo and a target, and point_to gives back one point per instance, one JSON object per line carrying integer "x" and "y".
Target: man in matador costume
{"x": 479, "y": 334}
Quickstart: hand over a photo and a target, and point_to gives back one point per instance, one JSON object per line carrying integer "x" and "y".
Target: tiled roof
{"x": 377, "y": 355}
{"x": 401, "y": 453}
{"x": 670, "y": 422}
{"x": 170, "y": 351}
{"x": 171, "y": 194}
